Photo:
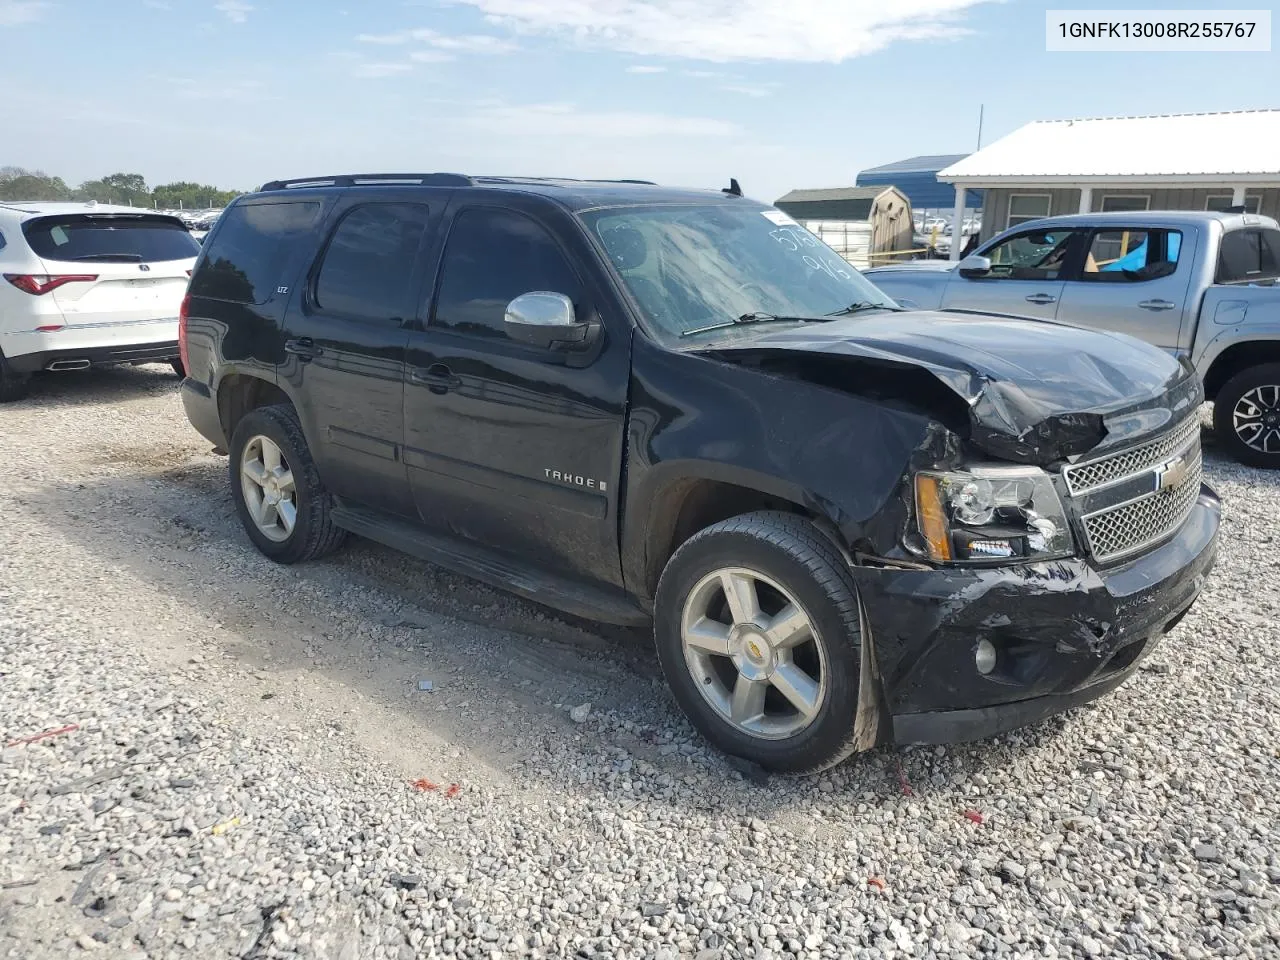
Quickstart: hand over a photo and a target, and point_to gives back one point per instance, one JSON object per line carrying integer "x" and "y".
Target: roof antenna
{"x": 732, "y": 189}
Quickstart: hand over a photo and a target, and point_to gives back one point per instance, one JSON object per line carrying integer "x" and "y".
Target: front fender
{"x": 842, "y": 458}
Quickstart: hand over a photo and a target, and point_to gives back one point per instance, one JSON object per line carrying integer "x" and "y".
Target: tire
{"x": 312, "y": 533}
{"x": 13, "y": 386}
{"x": 793, "y": 562}
{"x": 179, "y": 369}
{"x": 1250, "y": 398}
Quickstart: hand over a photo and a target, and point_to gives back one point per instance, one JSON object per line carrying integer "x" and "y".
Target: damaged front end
{"x": 1051, "y": 530}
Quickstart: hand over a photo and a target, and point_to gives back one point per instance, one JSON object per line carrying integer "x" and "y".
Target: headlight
{"x": 991, "y": 513}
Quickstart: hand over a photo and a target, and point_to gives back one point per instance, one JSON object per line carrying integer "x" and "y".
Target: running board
{"x": 581, "y": 600}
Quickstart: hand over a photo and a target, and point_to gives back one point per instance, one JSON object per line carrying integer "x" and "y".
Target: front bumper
{"x": 1065, "y": 632}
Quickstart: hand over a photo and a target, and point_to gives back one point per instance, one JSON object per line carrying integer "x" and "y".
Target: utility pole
{"x": 982, "y": 109}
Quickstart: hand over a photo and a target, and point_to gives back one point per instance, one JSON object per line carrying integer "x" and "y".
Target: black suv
{"x": 849, "y": 524}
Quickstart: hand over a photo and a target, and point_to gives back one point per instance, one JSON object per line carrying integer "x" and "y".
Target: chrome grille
{"x": 1083, "y": 477}
{"x": 1125, "y": 529}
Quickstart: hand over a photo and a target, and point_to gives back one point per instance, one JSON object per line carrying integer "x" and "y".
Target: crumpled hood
{"x": 1036, "y": 391}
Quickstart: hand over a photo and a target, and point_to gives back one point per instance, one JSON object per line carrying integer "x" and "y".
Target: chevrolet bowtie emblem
{"x": 1172, "y": 474}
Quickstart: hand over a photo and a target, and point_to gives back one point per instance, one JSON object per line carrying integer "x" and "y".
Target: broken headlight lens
{"x": 991, "y": 513}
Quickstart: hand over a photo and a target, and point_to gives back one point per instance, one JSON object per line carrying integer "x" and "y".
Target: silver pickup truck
{"x": 1199, "y": 285}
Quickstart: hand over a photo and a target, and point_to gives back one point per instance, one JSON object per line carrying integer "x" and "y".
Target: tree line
{"x": 128, "y": 189}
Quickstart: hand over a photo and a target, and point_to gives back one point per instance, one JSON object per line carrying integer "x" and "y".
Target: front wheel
{"x": 282, "y": 504}
{"x": 758, "y": 633}
{"x": 1246, "y": 416}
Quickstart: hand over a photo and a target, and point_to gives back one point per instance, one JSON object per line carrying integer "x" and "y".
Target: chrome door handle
{"x": 1157, "y": 305}
{"x": 303, "y": 348}
{"x": 438, "y": 377}
{"x": 1041, "y": 298}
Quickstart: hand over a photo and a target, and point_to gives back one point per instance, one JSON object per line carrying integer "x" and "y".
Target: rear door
{"x": 1134, "y": 280}
{"x": 345, "y": 337}
{"x": 133, "y": 268}
{"x": 1026, "y": 278}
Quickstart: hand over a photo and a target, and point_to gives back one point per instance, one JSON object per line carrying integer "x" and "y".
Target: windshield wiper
{"x": 860, "y": 306}
{"x": 757, "y": 317}
{"x": 109, "y": 257}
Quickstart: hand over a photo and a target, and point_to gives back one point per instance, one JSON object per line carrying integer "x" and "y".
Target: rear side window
{"x": 1131, "y": 256}
{"x": 492, "y": 257}
{"x": 249, "y": 251}
{"x": 368, "y": 270}
{"x": 1249, "y": 256}
{"x": 109, "y": 238}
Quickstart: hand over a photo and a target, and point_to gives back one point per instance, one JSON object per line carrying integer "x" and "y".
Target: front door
{"x": 1026, "y": 277}
{"x": 1133, "y": 280}
{"x": 345, "y": 343}
{"x": 511, "y": 446}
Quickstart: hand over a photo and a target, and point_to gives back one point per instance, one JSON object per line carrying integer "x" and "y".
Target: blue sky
{"x": 778, "y": 93}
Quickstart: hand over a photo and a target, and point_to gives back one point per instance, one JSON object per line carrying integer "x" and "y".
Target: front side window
{"x": 1249, "y": 256}
{"x": 1131, "y": 256}
{"x": 1024, "y": 207}
{"x": 250, "y": 249}
{"x": 691, "y": 267}
{"x": 1034, "y": 255}
{"x": 492, "y": 257}
{"x": 368, "y": 273}
{"x": 110, "y": 238}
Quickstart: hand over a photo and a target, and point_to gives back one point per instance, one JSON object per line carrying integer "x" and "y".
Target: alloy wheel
{"x": 1256, "y": 419}
{"x": 754, "y": 653}
{"x": 268, "y": 487}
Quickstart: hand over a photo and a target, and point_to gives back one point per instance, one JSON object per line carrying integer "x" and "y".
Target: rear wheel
{"x": 758, "y": 633}
{"x": 178, "y": 368}
{"x": 1246, "y": 416}
{"x": 282, "y": 504}
{"x": 13, "y": 385}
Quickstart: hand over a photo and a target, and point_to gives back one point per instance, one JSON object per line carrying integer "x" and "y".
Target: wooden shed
{"x": 862, "y": 224}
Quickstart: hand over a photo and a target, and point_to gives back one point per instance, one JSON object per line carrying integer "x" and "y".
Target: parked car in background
{"x": 848, "y": 524}
{"x": 87, "y": 284}
{"x": 1200, "y": 286}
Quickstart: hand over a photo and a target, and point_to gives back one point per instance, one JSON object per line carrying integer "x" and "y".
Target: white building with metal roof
{"x": 1194, "y": 161}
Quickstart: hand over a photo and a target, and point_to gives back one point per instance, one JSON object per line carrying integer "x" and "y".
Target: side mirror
{"x": 546, "y": 320}
{"x": 975, "y": 266}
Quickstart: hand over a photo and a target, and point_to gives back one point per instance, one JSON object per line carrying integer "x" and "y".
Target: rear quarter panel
{"x": 1231, "y": 315}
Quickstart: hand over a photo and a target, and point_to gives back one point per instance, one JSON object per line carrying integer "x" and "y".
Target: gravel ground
{"x": 240, "y": 782}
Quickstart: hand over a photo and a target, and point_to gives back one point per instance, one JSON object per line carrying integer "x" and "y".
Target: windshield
{"x": 695, "y": 268}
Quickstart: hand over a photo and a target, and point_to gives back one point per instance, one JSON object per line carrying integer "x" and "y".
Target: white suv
{"x": 85, "y": 284}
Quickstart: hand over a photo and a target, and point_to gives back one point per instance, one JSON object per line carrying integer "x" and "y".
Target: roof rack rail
{"x": 515, "y": 178}
{"x": 373, "y": 179}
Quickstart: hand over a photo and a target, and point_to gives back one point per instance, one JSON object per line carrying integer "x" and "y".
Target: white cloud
{"x": 749, "y": 89}
{"x": 14, "y": 12}
{"x": 431, "y": 56}
{"x": 564, "y": 120}
{"x": 724, "y": 30}
{"x": 374, "y": 71}
{"x": 237, "y": 11}
{"x": 645, "y": 69}
{"x": 466, "y": 43}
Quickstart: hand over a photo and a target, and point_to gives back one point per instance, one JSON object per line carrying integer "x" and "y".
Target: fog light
{"x": 984, "y": 658}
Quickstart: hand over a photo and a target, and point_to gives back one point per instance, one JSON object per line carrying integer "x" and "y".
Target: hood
{"x": 1035, "y": 392}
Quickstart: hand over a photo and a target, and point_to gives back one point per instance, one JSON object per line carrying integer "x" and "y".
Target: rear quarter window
{"x": 89, "y": 238}
{"x": 246, "y": 255}
{"x": 1249, "y": 256}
